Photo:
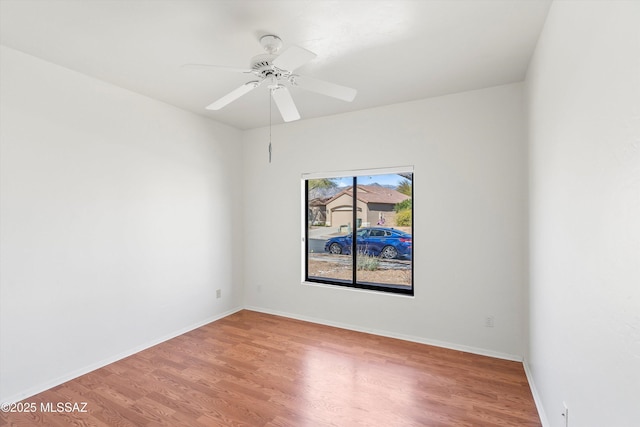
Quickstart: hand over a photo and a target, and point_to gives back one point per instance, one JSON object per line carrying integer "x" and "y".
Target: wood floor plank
{"x": 253, "y": 369}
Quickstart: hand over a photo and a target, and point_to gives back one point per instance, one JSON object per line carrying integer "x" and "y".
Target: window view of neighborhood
{"x": 381, "y": 255}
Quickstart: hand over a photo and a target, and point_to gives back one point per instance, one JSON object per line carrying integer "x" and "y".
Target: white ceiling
{"x": 390, "y": 51}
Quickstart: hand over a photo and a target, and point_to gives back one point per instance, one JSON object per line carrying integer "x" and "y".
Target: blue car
{"x": 377, "y": 241}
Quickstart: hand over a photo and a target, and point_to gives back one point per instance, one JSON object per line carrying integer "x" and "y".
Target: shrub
{"x": 403, "y": 205}
{"x": 367, "y": 262}
{"x": 403, "y": 218}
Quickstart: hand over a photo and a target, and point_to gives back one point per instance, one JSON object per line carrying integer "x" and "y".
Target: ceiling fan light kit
{"x": 277, "y": 70}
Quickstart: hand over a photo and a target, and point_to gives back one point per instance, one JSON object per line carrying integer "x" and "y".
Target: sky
{"x": 390, "y": 179}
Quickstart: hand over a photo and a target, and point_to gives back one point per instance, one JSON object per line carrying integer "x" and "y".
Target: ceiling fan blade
{"x": 293, "y": 57}
{"x": 325, "y": 88}
{"x": 233, "y": 95}
{"x": 285, "y": 103}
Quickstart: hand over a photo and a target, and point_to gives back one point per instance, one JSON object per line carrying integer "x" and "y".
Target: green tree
{"x": 322, "y": 183}
{"x": 405, "y": 187}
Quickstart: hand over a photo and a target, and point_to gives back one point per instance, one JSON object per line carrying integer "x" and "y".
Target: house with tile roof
{"x": 374, "y": 205}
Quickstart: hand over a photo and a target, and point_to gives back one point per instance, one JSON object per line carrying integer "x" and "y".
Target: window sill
{"x": 354, "y": 289}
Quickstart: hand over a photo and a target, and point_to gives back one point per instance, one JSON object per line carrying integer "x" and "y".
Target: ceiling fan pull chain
{"x": 270, "y": 102}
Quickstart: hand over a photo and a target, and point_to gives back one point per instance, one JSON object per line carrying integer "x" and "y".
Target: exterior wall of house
{"x": 363, "y": 212}
{"x": 340, "y": 211}
{"x": 381, "y": 210}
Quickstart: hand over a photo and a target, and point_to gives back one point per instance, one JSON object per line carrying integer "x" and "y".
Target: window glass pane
{"x": 329, "y": 229}
{"x": 384, "y": 238}
{"x": 359, "y": 230}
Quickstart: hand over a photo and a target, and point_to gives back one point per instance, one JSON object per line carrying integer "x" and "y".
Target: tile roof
{"x": 374, "y": 194}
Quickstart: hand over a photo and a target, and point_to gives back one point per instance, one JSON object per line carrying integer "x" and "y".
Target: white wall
{"x": 118, "y": 221}
{"x": 584, "y": 129}
{"x": 469, "y": 153}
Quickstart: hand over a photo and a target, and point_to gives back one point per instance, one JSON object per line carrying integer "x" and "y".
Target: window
{"x": 358, "y": 229}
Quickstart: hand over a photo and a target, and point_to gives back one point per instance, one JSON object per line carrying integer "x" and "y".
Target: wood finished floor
{"x": 254, "y": 369}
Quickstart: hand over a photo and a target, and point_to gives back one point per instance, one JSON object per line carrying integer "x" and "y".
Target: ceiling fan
{"x": 277, "y": 71}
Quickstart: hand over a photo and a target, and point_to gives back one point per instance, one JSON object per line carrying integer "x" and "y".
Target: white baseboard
{"x": 536, "y": 397}
{"x": 420, "y": 340}
{"x": 85, "y": 370}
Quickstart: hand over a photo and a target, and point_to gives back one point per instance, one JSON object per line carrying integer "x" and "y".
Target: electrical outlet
{"x": 565, "y": 414}
{"x": 489, "y": 322}
{"x": 218, "y": 293}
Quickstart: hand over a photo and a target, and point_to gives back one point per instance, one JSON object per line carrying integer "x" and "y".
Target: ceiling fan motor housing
{"x": 262, "y": 62}
{"x": 262, "y": 66}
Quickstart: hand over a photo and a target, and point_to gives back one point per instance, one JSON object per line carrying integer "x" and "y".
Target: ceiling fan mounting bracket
{"x": 271, "y": 43}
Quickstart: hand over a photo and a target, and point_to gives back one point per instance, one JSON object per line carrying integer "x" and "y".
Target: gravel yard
{"x": 393, "y": 272}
